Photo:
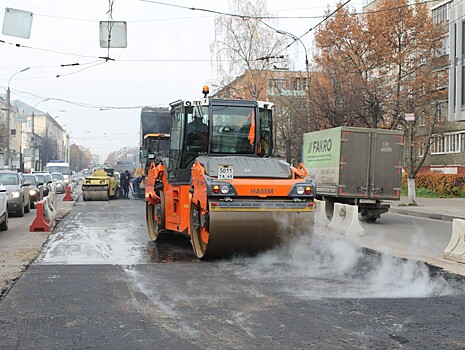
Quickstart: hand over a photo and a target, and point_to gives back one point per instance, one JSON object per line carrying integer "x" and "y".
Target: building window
{"x": 299, "y": 83}
{"x": 421, "y": 151}
{"x": 440, "y": 79}
{"x": 441, "y": 110}
{"x": 441, "y": 13}
{"x": 450, "y": 143}
{"x": 463, "y": 88}
{"x": 276, "y": 86}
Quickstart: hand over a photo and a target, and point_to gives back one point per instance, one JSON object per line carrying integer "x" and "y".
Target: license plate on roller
{"x": 225, "y": 172}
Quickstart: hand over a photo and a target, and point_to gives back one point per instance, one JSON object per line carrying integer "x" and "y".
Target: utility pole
{"x": 307, "y": 79}
{"x": 8, "y": 123}
{"x": 8, "y": 127}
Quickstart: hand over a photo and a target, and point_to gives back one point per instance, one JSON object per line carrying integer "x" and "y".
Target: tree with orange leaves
{"x": 385, "y": 59}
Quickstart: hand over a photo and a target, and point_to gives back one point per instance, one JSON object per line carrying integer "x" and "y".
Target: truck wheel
{"x": 367, "y": 217}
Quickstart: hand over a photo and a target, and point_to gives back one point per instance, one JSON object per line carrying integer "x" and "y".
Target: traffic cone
{"x": 40, "y": 223}
{"x": 68, "y": 196}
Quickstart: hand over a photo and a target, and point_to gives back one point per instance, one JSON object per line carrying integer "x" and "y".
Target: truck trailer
{"x": 356, "y": 166}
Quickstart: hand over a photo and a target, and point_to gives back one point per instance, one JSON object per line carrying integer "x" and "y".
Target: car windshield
{"x": 9, "y": 179}
{"x": 31, "y": 179}
{"x": 57, "y": 176}
{"x": 41, "y": 178}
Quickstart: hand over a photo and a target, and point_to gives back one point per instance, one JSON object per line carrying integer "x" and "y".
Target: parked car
{"x": 36, "y": 188}
{"x": 78, "y": 178}
{"x": 59, "y": 182}
{"x": 18, "y": 192}
{"x": 47, "y": 179}
{"x": 3, "y": 209}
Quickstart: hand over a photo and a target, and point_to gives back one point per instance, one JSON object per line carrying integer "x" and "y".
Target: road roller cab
{"x": 221, "y": 185}
{"x": 103, "y": 184}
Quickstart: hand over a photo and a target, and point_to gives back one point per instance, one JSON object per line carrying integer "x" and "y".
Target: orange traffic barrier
{"x": 68, "y": 196}
{"x": 40, "y": 223}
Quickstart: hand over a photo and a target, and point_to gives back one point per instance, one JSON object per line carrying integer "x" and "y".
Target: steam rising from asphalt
{"x": 312, "y": 266}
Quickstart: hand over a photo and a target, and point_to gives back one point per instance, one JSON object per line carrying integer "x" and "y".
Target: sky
{"x": 167, "y": 58}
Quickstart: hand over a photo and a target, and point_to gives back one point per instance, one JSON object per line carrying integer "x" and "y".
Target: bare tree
{"x": 243, "y": 45}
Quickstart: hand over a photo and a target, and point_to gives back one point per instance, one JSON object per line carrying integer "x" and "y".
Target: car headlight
{"x": 32, "y": 192}
{"x": 221, "y": 188}
{"x": 15, "y": 194}
{"x": 300, "y": 190}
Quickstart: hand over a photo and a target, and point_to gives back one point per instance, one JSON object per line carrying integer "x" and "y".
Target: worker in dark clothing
{"x": 124, "y": 180}
{"x": 264, "y": 144}
{"x": 136, "y": 184}
{"x": 197, "y": 133}
{"x": 122, "y": 177}
{"x": 196, "y": 140}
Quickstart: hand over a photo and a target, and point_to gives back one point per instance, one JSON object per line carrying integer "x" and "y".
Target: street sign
{"x": 17, "y": 23}
{"x": 409, "y": 117}
{"x": 113, "y": 34}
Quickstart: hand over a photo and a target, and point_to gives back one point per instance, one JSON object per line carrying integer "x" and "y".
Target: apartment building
{"x": 447, "y": 153}
{"x": 44, "y": 141}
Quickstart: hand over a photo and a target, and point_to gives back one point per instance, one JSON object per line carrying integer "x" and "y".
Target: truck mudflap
{"x": 247, "y": 226}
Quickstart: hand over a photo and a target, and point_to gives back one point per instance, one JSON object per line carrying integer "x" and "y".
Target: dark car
{"x": 47, "y": 180}
{"x": 36, "y": 188}
{"x": 18, "y": 192}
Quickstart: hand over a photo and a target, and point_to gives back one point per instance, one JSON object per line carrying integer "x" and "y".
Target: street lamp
{"x": 8, "y": 126}
{"x": 33, "y": 160}
{"x": 307, "y": 85}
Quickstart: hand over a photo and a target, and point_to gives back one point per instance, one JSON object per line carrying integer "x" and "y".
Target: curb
{"x": 425, "y": 214}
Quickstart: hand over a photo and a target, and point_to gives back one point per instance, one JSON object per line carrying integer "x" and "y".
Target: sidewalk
{"x": 19, "y": 247}
{"x": 445, "y": 209}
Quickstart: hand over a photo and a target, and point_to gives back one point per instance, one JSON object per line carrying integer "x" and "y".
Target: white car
{"x": 59, "y": 182}
{"x": 3, "y": 209}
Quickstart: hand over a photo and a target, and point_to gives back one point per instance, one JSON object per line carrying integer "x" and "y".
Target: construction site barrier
{"x": 321, "y": 220}
{"x": 455, "y": 250}
{"x": 338, "y": 217}
{"x": 68, "y": 196}
{"x": 53, "y": 198}
{"x": 45, "y": 216}
{"x": 345, "y": 220}
{"x": 49, "y": 209}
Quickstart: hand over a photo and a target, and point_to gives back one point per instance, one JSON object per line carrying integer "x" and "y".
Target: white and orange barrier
{"x": 45, "y": 216}
{"x": 455, "y": 250}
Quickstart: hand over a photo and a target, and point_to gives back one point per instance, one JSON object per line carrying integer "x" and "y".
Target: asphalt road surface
{"x": 99, "y": 284}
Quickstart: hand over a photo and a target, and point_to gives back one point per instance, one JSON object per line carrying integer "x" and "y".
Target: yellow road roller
{"x": 102, "y": 185}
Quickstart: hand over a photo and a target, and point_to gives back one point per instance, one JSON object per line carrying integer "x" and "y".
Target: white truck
{"x": 356, "y": 166}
